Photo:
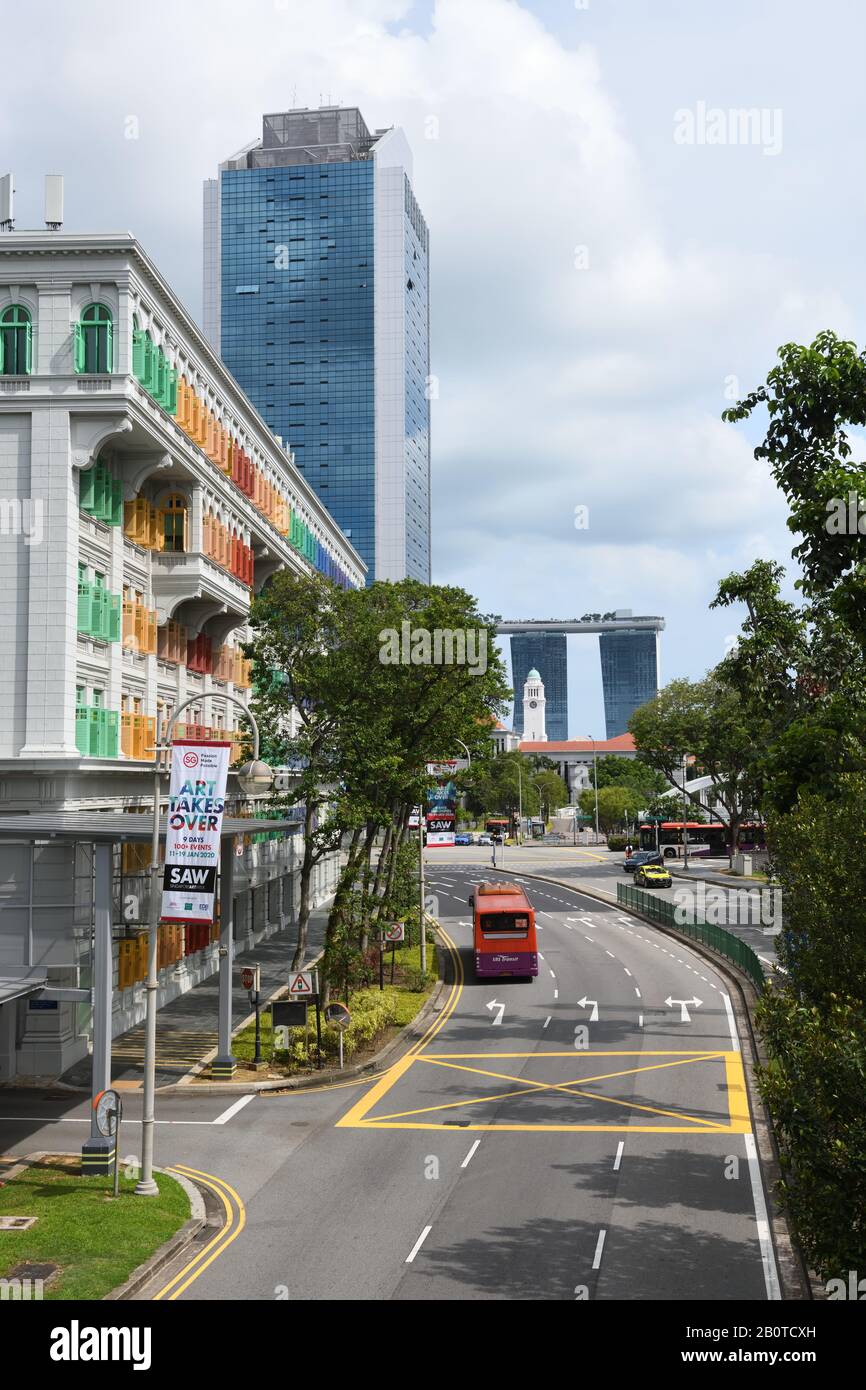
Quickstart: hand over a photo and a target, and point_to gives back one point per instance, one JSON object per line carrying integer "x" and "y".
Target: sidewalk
{"x": 186, "y": 1028}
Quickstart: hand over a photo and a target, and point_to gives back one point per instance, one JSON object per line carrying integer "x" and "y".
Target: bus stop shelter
{"x": 23, "y": 968}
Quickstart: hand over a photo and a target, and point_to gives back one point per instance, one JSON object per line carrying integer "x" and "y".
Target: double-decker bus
{"x": 504, "y": 938}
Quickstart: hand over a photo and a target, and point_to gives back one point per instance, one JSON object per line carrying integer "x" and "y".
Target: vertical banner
{"x": 196, "y": 803}
{"x": 441, "y": 809}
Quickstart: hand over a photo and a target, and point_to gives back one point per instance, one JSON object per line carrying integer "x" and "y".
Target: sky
{"x": 612, "y": 262}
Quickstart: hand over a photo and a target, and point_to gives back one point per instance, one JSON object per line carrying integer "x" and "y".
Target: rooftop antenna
{"x": 54, "y": 202}
{"x": 7, "y": 192}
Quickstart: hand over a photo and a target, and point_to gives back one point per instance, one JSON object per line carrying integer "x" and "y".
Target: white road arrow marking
{"x": 494, "y": 1004}
{"x": 684, "y": 1015}
{"x": 586, "y": 1003}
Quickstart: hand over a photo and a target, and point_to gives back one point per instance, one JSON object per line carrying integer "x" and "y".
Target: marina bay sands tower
{"x": 629, "y": 652}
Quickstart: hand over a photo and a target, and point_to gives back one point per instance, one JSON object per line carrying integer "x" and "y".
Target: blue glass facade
{"x": 548, "y": 653}
{"x": 629, "y": 675}
{"x": 316, "y": 297}
{"x": 297, "y": 330}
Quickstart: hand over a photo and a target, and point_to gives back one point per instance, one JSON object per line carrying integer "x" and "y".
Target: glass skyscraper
{"x": 316, "y": 296}
{"x": 547, "y": 652}
{"x": 629, "y": 675}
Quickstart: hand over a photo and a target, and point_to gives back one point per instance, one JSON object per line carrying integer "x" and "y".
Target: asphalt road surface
{"x": 583, "y": 1136}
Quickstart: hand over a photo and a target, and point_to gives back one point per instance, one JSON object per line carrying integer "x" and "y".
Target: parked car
{"x": 643, "y": 856}
{"x": 652, "y": 876}
{"x": 463, "y": 839}
{"x": 484, "y": 840}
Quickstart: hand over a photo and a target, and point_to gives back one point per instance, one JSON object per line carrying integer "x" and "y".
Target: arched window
{"x": 93, "y": 340}
{"x": 16, "y": 341}
{"x": 174, "y": 523}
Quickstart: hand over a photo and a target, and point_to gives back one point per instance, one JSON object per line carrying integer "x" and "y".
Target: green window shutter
{"x": 27, "y": 365}
{"x": 85, "y": 607}
{"x": 150, "y": 365}
{"x": 78, "y": 353}
{"x": 171, "y": 392}
{"x": 109, "y": 346}
{"x": 87, "y": 490}
{"x": 114, "y": 616}
{"x": 2, "y": 349}
{"x": 138, "y": 354}
{"x": 82, "y": 730}
{"x": 94, "y": 731}
{"x": 111, "y": 728}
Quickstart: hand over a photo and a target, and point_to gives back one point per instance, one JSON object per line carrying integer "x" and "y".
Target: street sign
{"x": 289, "y": 1013}
{"x": 250, "y": 977}
{"x": 302, "y": 984}
{"x": 338, "y": 1016}
{"x": 396, "y": 932}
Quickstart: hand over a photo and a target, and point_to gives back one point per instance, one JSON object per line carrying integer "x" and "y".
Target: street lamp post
{"x": 257, "y": 773}
{"x": 685, "y": 819}
{"x": 595, "y": 782}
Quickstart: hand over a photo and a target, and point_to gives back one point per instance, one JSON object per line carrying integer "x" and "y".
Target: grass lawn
{"x": 404, "y": 1000}
{"x": 96, "y": 1241}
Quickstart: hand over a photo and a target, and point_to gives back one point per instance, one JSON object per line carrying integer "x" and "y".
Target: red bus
{"x": 498, "y": 825}
{"x": 504, "y": 937}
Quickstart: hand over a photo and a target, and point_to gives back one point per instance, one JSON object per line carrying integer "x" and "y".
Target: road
{"x": 501, "y": 1158}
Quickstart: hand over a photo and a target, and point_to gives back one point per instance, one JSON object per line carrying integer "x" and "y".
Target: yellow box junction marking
{"x": 738, "y": 1122}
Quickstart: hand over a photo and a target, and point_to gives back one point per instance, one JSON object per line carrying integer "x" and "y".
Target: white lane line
{"x": 226, "y": 1115}
{"x": 465, "y": 1164}
{"x": 732, "y": 1025}
{"x": 618, "y": 1160}
{"x": 74, "y": 1120}
{"x": 552, "y": 976}
{"x": 547, "y": 1020}
{"x": 628, "y": 972}
{"x": 540, "y": 956}
{"x": 640, "y": 1020}
{"x": 417, "y": 1246}
{"x": 637, "y": 992}
{"x": 611, "y": 954}
{"x": 589, "y": 938}
{"x": 598, "y": 1249}
{"x": 765, "y": 1240}
{"x": 556, "y": 994}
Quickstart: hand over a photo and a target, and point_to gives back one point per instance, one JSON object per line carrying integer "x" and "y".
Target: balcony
{"x": 96, "y": 731}
{"x": 179, "y": 577}
{"x": 98, "y": 612}
{"x": 139, "y": 628}
{"x": 138, "y": 736}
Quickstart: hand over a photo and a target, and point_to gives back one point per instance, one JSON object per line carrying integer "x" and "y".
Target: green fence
{"x": 706, "y": 932}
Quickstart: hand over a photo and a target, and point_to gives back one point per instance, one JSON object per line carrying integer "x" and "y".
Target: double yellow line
{"x": 235, "y": 1220}
{"x": 451, "y": 1001}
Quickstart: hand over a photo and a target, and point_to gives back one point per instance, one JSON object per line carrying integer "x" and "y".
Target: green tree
{"x": 552, "y": 792}
{"x": 613, "y": 771}
{"x": 799, "y": 671}
{"x": 705, "y": 720}
{"x": 615, "y": 805}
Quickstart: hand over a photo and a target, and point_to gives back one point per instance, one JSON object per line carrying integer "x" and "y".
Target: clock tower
{"x": 533, "y": 709}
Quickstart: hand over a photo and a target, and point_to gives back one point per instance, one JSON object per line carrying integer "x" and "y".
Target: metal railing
{"x": 719, "y": 940}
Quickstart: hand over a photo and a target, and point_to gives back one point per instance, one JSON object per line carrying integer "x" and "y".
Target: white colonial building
{"x": 143, "y": 502}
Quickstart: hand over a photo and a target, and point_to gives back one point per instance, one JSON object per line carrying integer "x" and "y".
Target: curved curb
{"x": 796, "y": 1284}
{"x": 170, "y": 1249}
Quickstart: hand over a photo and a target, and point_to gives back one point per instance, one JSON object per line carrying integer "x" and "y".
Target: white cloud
{"x": 559, "y": 386}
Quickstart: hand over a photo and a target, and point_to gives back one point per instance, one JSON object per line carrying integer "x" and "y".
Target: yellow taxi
{"x": 652, "y": 876}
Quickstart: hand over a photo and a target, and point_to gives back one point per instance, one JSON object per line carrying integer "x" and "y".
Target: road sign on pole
{"x": 396, "y": 932}
{"x": 302, "y": 984}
